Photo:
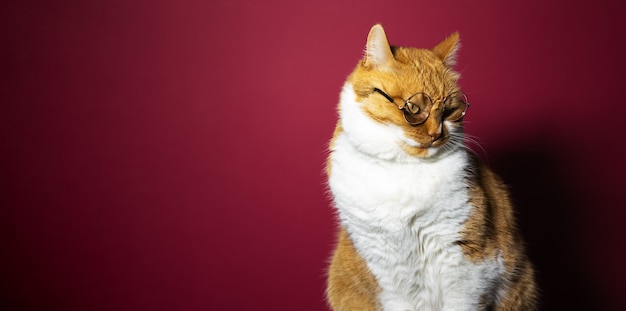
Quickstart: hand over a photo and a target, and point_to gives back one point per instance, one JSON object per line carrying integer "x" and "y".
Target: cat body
{"x": 424, "y": 224}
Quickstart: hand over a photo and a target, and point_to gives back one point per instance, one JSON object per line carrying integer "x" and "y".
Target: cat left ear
{"x": 447, "y": 49}
{"x": 377, "y": 52}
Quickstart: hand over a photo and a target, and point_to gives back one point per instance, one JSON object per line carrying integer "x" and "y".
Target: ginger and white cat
{"x": 424, "y": 225}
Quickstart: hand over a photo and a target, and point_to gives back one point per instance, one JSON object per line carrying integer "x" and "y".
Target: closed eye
{"x": 377, "y": 90}
{"x": 452, "y": 113}
{"x": 456, "y": 105}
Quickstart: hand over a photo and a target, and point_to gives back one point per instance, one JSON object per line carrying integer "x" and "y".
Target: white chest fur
{"x": 404, "y": 218}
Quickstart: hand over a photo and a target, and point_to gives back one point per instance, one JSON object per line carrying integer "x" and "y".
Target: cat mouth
{"x": 409, "y": 143}
{"x": 422, "y": 149}
{"x": 438, "y": 143}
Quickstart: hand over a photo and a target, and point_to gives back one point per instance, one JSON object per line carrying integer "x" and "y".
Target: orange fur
{"x": 351, "y": 286}
{"x": 490, "y": 229}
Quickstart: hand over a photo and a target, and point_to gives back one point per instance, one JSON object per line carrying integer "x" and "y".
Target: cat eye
{"x": 416, "y": 109}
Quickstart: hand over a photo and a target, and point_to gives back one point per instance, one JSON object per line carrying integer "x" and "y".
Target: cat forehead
{"x": 409, "y": 55}
{"x": 411, "y": 61}
{"x": 413, "y": 70}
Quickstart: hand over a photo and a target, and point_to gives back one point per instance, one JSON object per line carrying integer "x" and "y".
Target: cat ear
{"x": 377, "y": 51}
{"x": 447, "y": 49}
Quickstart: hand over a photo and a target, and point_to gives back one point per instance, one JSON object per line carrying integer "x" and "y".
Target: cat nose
{"x": 434, "y": 133}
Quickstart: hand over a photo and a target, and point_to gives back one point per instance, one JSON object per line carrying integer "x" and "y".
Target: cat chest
{"x": 423, "y": 269}
{"x": 404, "y": 220}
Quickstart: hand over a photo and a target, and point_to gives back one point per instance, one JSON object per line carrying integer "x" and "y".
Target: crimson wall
{"x": 169, "y": 155}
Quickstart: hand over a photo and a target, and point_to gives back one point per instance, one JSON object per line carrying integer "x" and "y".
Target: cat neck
{"x": 387, "y": 194}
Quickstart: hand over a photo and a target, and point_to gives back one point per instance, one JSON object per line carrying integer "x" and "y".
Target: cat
{"x": 424, "y": 224}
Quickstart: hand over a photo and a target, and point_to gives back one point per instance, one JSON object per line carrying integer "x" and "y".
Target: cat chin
{"x": 425, "y": 153}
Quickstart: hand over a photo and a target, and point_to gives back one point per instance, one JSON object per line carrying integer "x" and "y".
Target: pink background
{"x": 169, "y": 155}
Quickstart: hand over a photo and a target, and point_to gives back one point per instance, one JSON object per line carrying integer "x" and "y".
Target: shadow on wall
{"x": 550, "y": 217}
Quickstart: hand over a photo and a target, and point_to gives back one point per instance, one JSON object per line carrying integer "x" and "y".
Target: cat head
{"x": 402, "y": 101}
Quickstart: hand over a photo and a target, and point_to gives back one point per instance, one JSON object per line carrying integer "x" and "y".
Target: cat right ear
{"x": 377, "y": 51}
{"x": 447, "y": 49}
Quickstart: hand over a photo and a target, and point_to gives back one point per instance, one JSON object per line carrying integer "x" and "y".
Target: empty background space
{"x": 170, "y": 155}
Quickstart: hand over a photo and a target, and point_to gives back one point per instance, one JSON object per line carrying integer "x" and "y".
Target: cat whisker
{"x": 465, "y": 141}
